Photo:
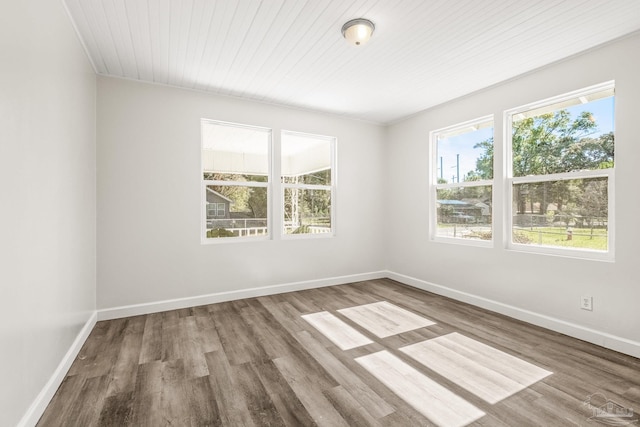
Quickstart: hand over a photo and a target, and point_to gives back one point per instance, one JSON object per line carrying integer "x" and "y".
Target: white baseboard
{"x": 155, "y": 307}
{"x": 37, "y": 408}
{"x": 600, "y": 338}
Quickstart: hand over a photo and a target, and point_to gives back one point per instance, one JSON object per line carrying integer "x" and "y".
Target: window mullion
{"x": 307, "y": 186}
{"x": 236, "y": 183}
{"x": 598, "y": 173}
{"x": 482, "y": 183}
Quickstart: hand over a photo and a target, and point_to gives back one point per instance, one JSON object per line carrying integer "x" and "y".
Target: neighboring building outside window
{"x": 462, "y": 182}
{"x": 560, "y": 172}
{"x": 235, "y": 180}
{"x": 308, "y": 183}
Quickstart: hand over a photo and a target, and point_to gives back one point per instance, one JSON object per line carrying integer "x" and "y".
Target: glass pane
{"x": 234, "y": 153}
{"x": 307, "y": 211}
{"x": 236, "y": 211}
{"x": 571, "y": 213}
{"x": 306, "y": 159}
{"x": 464, "y": 212}
{"x": 465, "y": 153}
{"x": 574, "y": 135}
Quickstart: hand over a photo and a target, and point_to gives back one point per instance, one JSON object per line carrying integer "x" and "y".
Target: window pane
{"x": 236, "y": 211}
{"x": 306, "y": 159}
{"x": 576, "y": 134}
{"x": 307, "y": 211}
{"x": 569, "y": 213}
{"x": 464, "y": 212}
{"x": 234, "y": 153}
{"x": 465, "y": 153}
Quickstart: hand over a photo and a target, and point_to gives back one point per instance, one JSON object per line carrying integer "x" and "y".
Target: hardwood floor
{"x": 341, "y": 334}
{"x": 266, "y": 362}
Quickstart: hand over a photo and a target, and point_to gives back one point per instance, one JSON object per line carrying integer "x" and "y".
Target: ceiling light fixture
{"x": 358, "y": 31}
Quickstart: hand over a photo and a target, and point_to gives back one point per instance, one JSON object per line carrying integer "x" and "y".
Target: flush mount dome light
{"x": 358, "y": 31}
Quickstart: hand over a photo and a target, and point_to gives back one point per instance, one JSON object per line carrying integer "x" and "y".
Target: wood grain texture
{"x": 384, "y": 319}
{"x": 425, "y": 395}
{"x": 258, "y": 362}
{"x": 341, "y": 334}
{"x": 486, "y": 372}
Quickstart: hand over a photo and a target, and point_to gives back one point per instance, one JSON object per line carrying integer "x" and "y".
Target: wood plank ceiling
{"x": 291, "y": 52}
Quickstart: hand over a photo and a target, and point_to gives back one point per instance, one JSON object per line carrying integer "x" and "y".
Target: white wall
{"x": 546, "y": 285}
{"x": 149, "y": 203}
{"x": 47, "y": 204}
{"x": 149, "y": 246}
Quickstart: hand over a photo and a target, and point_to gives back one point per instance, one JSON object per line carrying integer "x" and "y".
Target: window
{"x": 235, "y": 180}
{"x": 216, "y": 210}
{"x": 560, "y": 172}
{"x": 462, "y": 182}
{"x": 308, "y": 182}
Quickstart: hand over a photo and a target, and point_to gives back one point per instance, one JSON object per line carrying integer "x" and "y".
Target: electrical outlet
{"x": 586, "y": 303}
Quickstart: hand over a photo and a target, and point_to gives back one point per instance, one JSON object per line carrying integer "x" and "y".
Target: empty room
{"x": 319, "y": 213}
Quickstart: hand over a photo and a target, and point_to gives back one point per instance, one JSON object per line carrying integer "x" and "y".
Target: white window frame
{"x": 434, "y": 186}
{"x": 332, "y": 188}
{"x": 511, "y": 181}
{"x": 204, "y": 183}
